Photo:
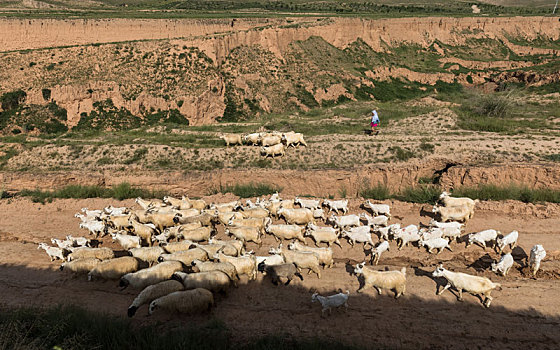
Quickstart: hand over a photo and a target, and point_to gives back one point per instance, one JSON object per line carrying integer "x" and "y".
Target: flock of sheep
{"x": 273, "y": 143}
{"x": 177, "y": 263}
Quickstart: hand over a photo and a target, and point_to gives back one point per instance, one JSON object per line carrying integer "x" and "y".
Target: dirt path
{"x": 525, "y": 313}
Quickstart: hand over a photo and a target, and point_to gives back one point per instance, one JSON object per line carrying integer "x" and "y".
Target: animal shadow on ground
{"x": 482, "y": 263}
{"x": 427, "y": 213}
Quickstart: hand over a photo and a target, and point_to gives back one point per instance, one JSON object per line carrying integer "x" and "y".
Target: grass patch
{"x": 552, "y": 157}
{"x": 121, "y": 191}
{"x": 420, "y": 194}
{"x": 379, "y": 192}
{"x": 247, "y": 190}
{"x": 515, "y": 192}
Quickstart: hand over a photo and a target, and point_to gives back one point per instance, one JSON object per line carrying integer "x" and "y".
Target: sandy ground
{"x": 524, "y": 314}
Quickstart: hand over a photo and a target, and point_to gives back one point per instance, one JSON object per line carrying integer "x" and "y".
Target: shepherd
{"x": 374, "y": 122}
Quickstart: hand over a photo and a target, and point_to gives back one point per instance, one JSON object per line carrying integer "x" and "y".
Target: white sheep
{"x": 273, "y": 151}
{"x": 431, "y": 233}
{"x": 408, "y": 234}
{"x": 378, "y": 209}
{"x": 336, "y": 206}
{"x": 147, "y": 254}
{"x": 483, "y": 237}
{"x": 286, "y": 232}
{"x": 276, "y": 271}
{"x": 86, "y": 252}
{"x": 385, "y": 232}
{"x": 186, "y": 301}
{"x": 292, "y": 139}
{"x": 272, "y": 140}
{"x": 152, "y": 275}
{"x": 80, "y": 266}
{"x": 392, "y": 280}
{"x": 444, "y": 225}
{"x": 319, "y": 234}
{"x": 150, "y": 293}
{"x": 449, "y": 201}
{"x": 63, "y": 243}
{"x": 308, "y": 203}
{"x": 232, "y": 139}
{"x": 113, "y": 269}
{"x": 510, "y": 239}
{"x": 252, "y": 139}
{"x": 185, "y": 256}
{"x": 231, "y": 247}
{"x": 360, "y": 234}
{"x": 95, "y": 228}
{"x": 300, "y": 216}
{"x": 274, "y": 259}
{"x": 110, "y": 210}
{"x": 127, "y": 241}
{"x": 474, "y": 285}
{"x": 331, "y": 302}
{"x": 303, "y": 260}
{"x": 144, "y": 231}
{"x": 325, "y": 255}
{"x": 79, "y": 241}
{"x": 461, "y": 213}
{"x": 319, "y": 214}
{"x": 244, "y": 265}
{"x": 380, "y": 220}
{"x": 226, "y": 267}
{"x": 245, "y": 234}
{"x": 175, "y": 247}
{"x": 435, "y": 243}
{"x": 196, "y": 235}
{"x": 345, "y": 220}
{"x": 214, "y": 281}
{"x": 503, "y": 266}
{"x": 536, "y": 256}
{"x": 377, "y": 251}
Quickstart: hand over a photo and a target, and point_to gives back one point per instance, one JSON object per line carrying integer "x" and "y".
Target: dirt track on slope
{"x": 525, "y": 313}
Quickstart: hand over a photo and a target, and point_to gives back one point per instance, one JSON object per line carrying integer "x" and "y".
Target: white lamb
{"x": 483, "y": 237}
{"x": 345, "y": 221}
{"x": 435, "y": 243}
{"x": 308, "y": 203}
{"x": 510, "y": 239}
{"x": 340, "y": 205}
{"x": 321, "y": 234}
{"x": 150, "y": 293}
{"x": 380, "y": 220}
{"x": 360, "y": 234}
{"x": 126, "y": 241}
{"x": 385, "y": 232}
{"x": 407, "y": 235}
{"x": 392, "y": 280}
{"x": 378, "y": 209}
{"x": 332, "y": 301}
{"x": 185, "y": 301}
{"x": 537, "y": 255}
{"x": 377, "y": 251}
{"x": 54, "y": 253}
{"x": 94, "y": 227}
{"x": 475, "y": 285}
{"x": 503, "y": 266}
{"x": 444, "y": 225}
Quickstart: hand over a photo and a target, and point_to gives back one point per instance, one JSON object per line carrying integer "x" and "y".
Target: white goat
{"x": 537, "y": 255}
{"x": 332, "y": 301}
{"x": 510, "y": 239}
{"x": 503, "y": 266}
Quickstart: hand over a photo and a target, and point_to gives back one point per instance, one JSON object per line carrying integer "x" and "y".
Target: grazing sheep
{"x": 214, "y": 281}
{"x": 286, "y": 232}
{"x": 185, "y": 256}
{"x": 449, "y": 201}
{"x": 80, "y": 266}
{"x": 474, "y": 285}
{"x": 332, "y": 301}
{"x": 152, "y": 275}
{"x": 360, "y": 234}
{"x": 126, "y": 241}
{"x": 232, "y": 139}
{"x": 510, "y": 239}
{"x": 252, "y": 139}
{"x": 377, "y": 251}
{"x": 272, "y": 140}
{"x": 255, "y": 213}
{"x": 186, "y": 301}
{"x": 95, "y": 228}
{"x": 392, "y": 280}
{"x": 345, "y": 220}
{"x": 276, "y": 271}
{"x": 308, "y": 203}
{"x": 325, "y": 255}
{"x": 293, "y": 139}
{"x": 245, "y": 234}
{"x": 301, "y": 216}
{"x": 461, "y": 213}
{"x": 303, "y": 260}
{"x": 272, "y": 151}
{"x": 378, "y": 209}
{"x": 147, "y": 254}
{"x": 483, "y": 237}
{"x": 336, "y": 206}
{"x": 113, "y": 269}
{"x": 503, "y": 266}
{"x": 435, "y": 243}
{"x": 143, "y": 231}
{"x": 150, "y": 293}
{"x": 327, "y": 235}
{"x": 536, "y": 256}
{"x": 244, "y": 265}
{"x": 196, "y": 235}
{"x": 86, "y": 252}
{"x": 380, "y": 220}
{"x": 225, "y": 267}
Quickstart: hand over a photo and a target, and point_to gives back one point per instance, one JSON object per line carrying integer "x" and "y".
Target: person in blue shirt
{"x": 374, "y": 122}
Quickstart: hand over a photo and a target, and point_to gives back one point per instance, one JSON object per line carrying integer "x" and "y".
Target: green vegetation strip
{"x": 247, "y": 190}
{"x": 70, "y": 327}
{"x": 121, "y": 191}
{"x": 428, "y": 193}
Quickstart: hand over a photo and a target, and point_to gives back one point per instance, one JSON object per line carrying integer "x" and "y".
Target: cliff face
{"x": 200, "y": 67}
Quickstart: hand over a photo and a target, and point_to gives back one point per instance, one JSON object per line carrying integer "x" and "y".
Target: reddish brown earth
{"x": 524, "y": 314}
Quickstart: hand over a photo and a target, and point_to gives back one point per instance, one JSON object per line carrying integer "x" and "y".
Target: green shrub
{"x": 516, "y": 192}
{"x": 12, "y": 100}
{"x": 552, "y": 157}
{"x": 46, "y": 94}
{"x": 402, "y": 154}
{"x": 379, "y": 192}
{"x": 248, "y": 190}
{"x": 420, "y": 194}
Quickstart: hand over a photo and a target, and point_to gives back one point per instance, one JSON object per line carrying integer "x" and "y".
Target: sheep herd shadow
{"x": 257, "y": 308}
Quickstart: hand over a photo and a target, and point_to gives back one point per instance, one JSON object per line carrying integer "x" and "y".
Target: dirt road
{"x": 524, "y": 314}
